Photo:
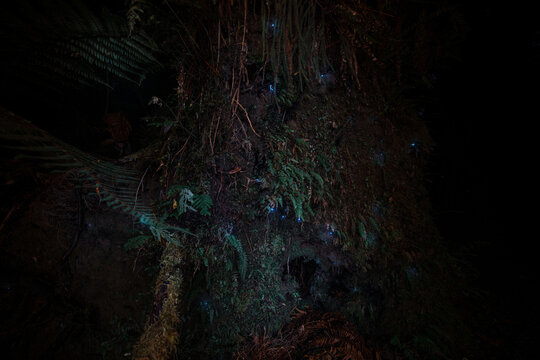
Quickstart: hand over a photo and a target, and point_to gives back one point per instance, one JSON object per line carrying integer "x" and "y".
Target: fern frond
{"x": 116, "y": 186}
{"x": 66, "y": 40}
{"x": 242, "y": 259}
{"x": 203, "y": 203}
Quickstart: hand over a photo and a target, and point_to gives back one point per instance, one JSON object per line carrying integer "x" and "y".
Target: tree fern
{"x": 66, "y": 41}
{"x": 116, "y": 186}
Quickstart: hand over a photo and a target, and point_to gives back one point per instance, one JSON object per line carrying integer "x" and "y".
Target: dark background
{"x": 481, "y": 113}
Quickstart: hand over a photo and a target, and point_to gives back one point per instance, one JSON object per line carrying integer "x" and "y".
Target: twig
{"x": 182, "y": 149}
{"x": 136, "y": 257}
{"x": 215, "y": 132}
{"x": 242, "y": 125}
{"x": 7, "y": 217}
{"x": 247, "y": 117}
{"x": 218, "y": 43}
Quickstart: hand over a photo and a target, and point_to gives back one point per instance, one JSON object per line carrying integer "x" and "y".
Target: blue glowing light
{"x": 379, "y": 158}
{"x": 282, "y": 217}
{"x": 371, "y": 240}
{"x": 273, "y": 25}
{"x": 271, "y": 88}
{"x": 272, "y": 209}
{"x": 412, "y": 272}
{"x": 330, "y": 233}
{"x": 413, "y": 144}
{"x": 144, "y": 220}
{"x": 299, "y": 219}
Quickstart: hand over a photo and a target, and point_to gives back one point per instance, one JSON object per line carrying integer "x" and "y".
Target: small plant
{"x": 182, "y": 199}
{"x": 295, "y": 178}
{"x": 242, "y": 259}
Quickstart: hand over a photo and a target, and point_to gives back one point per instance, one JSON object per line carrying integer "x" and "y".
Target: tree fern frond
{"x": 70, "y": 41}
{"x": 116, "y": 186}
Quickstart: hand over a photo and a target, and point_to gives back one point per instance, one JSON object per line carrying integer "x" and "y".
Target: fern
{"x": 133, "y": 15}
{"x": 203, "y": 203}
{"x": 242, "y": 259}
{"x": 116, "y": 186}
{"x": 184, "y": 199}
{"x": 65, "y": 41}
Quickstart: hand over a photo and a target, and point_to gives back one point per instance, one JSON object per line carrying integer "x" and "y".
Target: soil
{"x": 91, "y": 302}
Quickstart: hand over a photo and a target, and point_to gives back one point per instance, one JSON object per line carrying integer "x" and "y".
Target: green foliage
{"x": 233, "y": 308}
{"x": 67, "y": 43}
{"x": 295, "y": 175}
{"x": 242, "y": 259}
{"x": 134, "y": 12}
{"x": 286, "y": 98}
{"x": 182, "y": 199}
{"x": 115, "y": 186}
{"x": 203, "y": 203}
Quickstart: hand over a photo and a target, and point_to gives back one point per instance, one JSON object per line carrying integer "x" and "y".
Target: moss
{"x": 161, "y": 334}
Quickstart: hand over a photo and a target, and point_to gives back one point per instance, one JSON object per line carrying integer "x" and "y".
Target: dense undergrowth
{"x": 288, "y": 168}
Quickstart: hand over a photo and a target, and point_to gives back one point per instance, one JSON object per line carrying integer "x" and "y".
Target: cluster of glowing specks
{"x": 271, "y": 207}
{"x": 205, "y": 303}
{"x": 378, "y": 209}
{"x": 330, "y": 230}
{"x": 416, "y": 148}
{"x": 379, "y": 158}
{"x": 145, "y": 220}
{"x": 371, "y": 240}
{"x": 412, "y": 272}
